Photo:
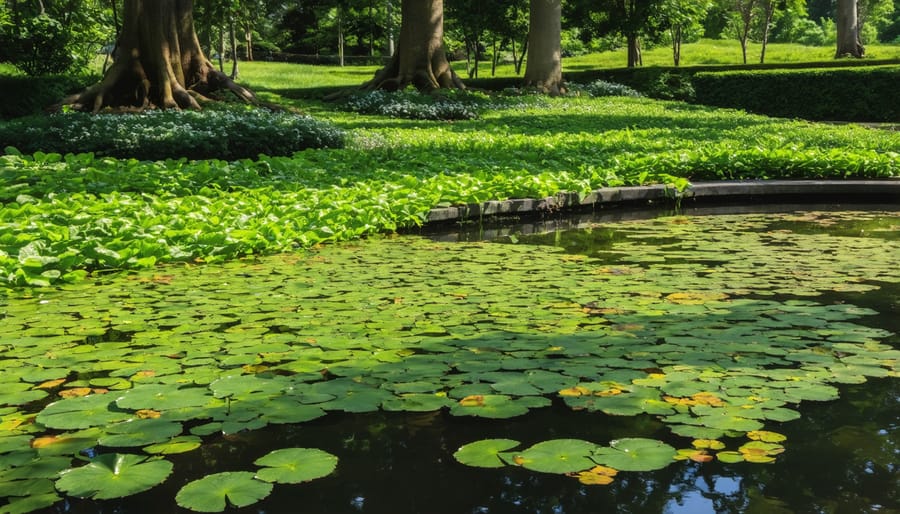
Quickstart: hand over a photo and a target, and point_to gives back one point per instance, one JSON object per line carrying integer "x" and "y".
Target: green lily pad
{"x": 140, "y": 432}
{"x": 295, "y": 465}
{"x": 180, "y": 444}
{"x": 484, "y": 453}
{"x": 164, "y": 397}
{"x": 87, "y": 411}
{"x": 496, "y": 406}
{"x": 556, "y": 456}
{"x": 24, "y": 505}
{"x": 114, "y": 475}
{"x": 635, "y": 454}
{"x": 214, "y": 493}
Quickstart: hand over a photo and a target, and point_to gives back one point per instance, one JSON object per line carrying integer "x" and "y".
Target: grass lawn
{"x": 63, "y": 217}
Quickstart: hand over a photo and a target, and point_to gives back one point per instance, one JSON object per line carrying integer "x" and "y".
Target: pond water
{"x": 392, "y": 354}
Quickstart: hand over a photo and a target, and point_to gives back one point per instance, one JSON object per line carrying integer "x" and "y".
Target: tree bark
{"x": 158, "y": 63}
{"x": 634, "y": 50}
{"x": 847, "y": 20}
{"x": 544, "y": 67}
{"x": 420, "y": 59}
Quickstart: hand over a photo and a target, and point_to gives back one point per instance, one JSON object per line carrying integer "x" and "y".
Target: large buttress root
{"x": 158, "y": 63}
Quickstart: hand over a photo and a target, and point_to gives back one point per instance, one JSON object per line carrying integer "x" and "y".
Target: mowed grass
{"x": 286, "y": 76}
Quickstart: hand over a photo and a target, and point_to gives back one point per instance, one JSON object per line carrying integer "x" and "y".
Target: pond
{"x": 683, "y": 364}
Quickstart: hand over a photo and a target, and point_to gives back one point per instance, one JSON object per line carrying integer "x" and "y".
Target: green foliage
{"x": 851, "y": 94}
{"x": 63, "y": 216}
{"x": 412, "y": 105}
{"x": 602, "y": 87}
{"x": 23, "y": 96}
{"x": 221, "y": 132}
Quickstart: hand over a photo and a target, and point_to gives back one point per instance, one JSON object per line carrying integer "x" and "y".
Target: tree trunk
{"x": 634, "y": 50}
{"x": 544, "y": 67}
{"x": 847, "y": 20}
{"x": 676, "y": 33}
{"x": 234, "y": 51}
{"x": 767, "y": 25}
{"x": 420, "y": 59}
{"x": 159, "y": 63}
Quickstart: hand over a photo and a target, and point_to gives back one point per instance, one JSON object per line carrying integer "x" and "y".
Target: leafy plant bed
{"x": 65, "y": 216}
{"x": 673, "y": 340}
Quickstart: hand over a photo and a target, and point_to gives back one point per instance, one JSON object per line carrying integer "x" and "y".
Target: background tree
{"x": 682, "y": 17}
{"x": 847, "y": 22}
{"x": 770, "y": 10}
{"x": 420, "y": 59}
{"x": 544, "y": 67}
{"x": 53, "y": 36}
{"x": 630, "y": 18}
{"x": 158, "y": 62}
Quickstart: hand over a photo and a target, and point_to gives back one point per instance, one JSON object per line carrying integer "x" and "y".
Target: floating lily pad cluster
{"x": 718, "y": 326}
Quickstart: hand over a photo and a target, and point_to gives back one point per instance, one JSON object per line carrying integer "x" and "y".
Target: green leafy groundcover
{"x": 716, "y": 326}
{"x": 64, "y": 216}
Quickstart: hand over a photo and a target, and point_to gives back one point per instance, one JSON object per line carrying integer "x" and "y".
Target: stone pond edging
{"x": 720, "y": 191}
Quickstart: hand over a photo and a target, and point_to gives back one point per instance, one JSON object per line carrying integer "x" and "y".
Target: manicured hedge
{"x": 870, "y": 94}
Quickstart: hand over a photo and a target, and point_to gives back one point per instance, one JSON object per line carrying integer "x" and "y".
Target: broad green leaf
{"x": 556, "y": 456}
{"x": 484, "y": 453}
{"x": 295, "y": 465}
{"x": 216, "y": 492}
{"x": 635, "y": 454}
{"x": 114, "y": 475}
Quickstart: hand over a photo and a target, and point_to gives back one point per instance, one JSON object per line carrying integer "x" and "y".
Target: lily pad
{"x": 484, "y": 453}
{"x": 140, "y": 432}
{"x": 295, "y": 465}
{"x": 556, "y": 456}
{"x": 635, "y": 454}
{"x": 114, "y": 475}
{"x": 83, "y": 412}
{"x": 214, "y": 493}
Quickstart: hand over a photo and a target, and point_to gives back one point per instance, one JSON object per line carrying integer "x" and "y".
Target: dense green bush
{"x": 221, "y": 132}
{"x": 605, "y": 88}
{"x": 846, "y": 94}
{"x": 23, "y": 96}
{"x": 447, "y": 105}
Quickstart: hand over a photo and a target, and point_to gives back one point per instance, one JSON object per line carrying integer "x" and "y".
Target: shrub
{"x": 413, "y": 105}
{"x": 219, "y": 132}
{"x": 604, "y": 88}
{"x": 672, "y": 86}
{"x": 23, "y": 96}
{"x": 845, "y": 94}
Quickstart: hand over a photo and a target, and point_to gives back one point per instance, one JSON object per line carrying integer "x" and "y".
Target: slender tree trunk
{"x": 634, "y": 51}
{"x": 390, "y": 27}
{"x": 420, "y": 58}
{"x": 221, "y": 51}
{"x": 159, "y": 62}
{"x": 676, "y": 33}
{"x": 521, "y": 60}
{"x": 847, "y": 20}
{"x": 544, "y": 68}
{"x": 494, "y": 57}
{"x": 340, "y": 40}
{"x": 234, "y": 51}
{"x": 248, "y": 39}
{"x": 767, "y": 25}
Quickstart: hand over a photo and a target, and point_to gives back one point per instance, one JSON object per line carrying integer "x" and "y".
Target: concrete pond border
{"x": 744, "y": 190}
